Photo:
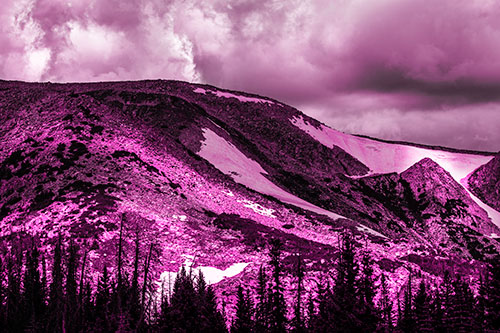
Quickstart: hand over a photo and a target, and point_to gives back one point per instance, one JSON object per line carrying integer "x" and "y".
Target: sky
{"x": 414, "y": 70}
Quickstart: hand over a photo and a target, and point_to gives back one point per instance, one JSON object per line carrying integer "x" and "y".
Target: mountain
{"x": 485, "y": 182}
{"x": 207, "y": 176}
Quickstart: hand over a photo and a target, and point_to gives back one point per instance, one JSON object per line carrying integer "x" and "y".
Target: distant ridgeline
{"x": 58, "y": 296}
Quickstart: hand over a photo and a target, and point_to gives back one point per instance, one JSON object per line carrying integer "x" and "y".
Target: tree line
{"x": 352, "y": 299}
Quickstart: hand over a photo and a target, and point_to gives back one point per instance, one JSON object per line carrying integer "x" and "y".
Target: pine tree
{"x": 262, "y": 306}
{"x": 243, "y": 322}
{"x": 147, "y": 264}
{"x": 345, "y": 283}
{"x": 407, "y": 317}
{"x": 88, "y": 308}
{"x": 311, "y": 312}
{"x": 182, "y": 314}
{"x": 338, "y": 307}
{"x": 201, "y": 285}
{"x": 423, "y": 316}
{"x": 81, "y": 292}
{"x": 385, "y": 324}
{"x": 446, "y": 293}
{"x": 14, "y": 320}
{"x": 211, "y": 319}
{"x": 480, "y": 305}
{"x": 102, "y": 299}
{"x": 460, "y": 311}
{"x": 44, "y": 286}
{"x": 326, "y": 318}
{"x": 33, "y": 294}
{"x": 120, "y": 288}
{"x": 366, "y": 309}
{"x": 298, "y": 320}
{"x": 437, "y": 312}
{"x": 345, "y": 296}
{"x": 71, "y": 300}
{"x": 56, "y": 297}
{"x": 492, "y": 294}
{"x": 277, "y": 301}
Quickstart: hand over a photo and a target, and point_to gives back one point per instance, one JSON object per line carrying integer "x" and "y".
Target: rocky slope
{"x": 485, "y": 183}
{"x": 208, "y": 176}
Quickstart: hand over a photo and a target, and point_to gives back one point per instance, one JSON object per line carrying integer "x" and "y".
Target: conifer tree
{"x": 147, "y": 264}
{"x": 460, "y": 311}
{"x": 102, "y": 299}
{"x": 325, "y": 320}
{"x": 345, "y": 283}
{"x": 44, "y": 285}
{"x": 311, "y": 312}
{"x": 385, "y": 324}
{"x": 345, "y": 295}
{"x": 262, "y": 306}
{"x": 298, "y": 324}
{"x": 243, "y": 321}
{"x": 88, "y": 313}
{"x": 211, "y": 319}
{"x": 407, "y": 317}
{"x": 81, "y": 293}
{"x": 480, "y": 305}
{"x": 119, "y": 264}
{"x": 492, "y": 294}
{"x": 71, "y": 300}
{"x": 201, "y": 285}
{"x": 277, "y": 304}
{"x": 33, "y": 295}
{"x": 422, "y": 303}
{"x": 14, "y": 320}
{"x": 56, "y": 308}
{"x": 368, "y": 313}
{"x": 182, "y": 314}
{"x": 446, "y": 293}
{"x": 437, "y": 312}
{"x": 134, "y": 302}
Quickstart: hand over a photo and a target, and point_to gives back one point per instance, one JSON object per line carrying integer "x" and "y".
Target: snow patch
{"x": 228, "y": 193}
{"x": 212, "y": 275}
{"x": 365, "y": 229}
{"x": 180, "y": 217}
{"x": 230, "y": 95}
{"x": 200, "y": 91}
{"x": 258, "y": 208}
{"x": 231, "y": 161}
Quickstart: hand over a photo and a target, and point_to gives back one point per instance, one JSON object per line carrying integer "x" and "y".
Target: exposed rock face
{"x": 485, "y": 183}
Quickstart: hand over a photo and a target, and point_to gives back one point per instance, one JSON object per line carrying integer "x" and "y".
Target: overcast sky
{"x": 417, "y": 70}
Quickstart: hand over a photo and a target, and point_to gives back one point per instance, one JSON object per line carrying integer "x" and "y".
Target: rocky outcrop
{"x": 426, "y": 202}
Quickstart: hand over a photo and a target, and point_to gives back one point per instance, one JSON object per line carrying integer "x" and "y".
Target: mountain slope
{"x": 485, "y": 183}
{"x": 208, "y": 176}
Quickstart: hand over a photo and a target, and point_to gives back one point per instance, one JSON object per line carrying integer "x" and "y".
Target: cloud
{"x": 353, "y": 58}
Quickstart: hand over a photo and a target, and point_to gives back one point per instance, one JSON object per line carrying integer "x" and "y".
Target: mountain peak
{"x": 428, "y": 168}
